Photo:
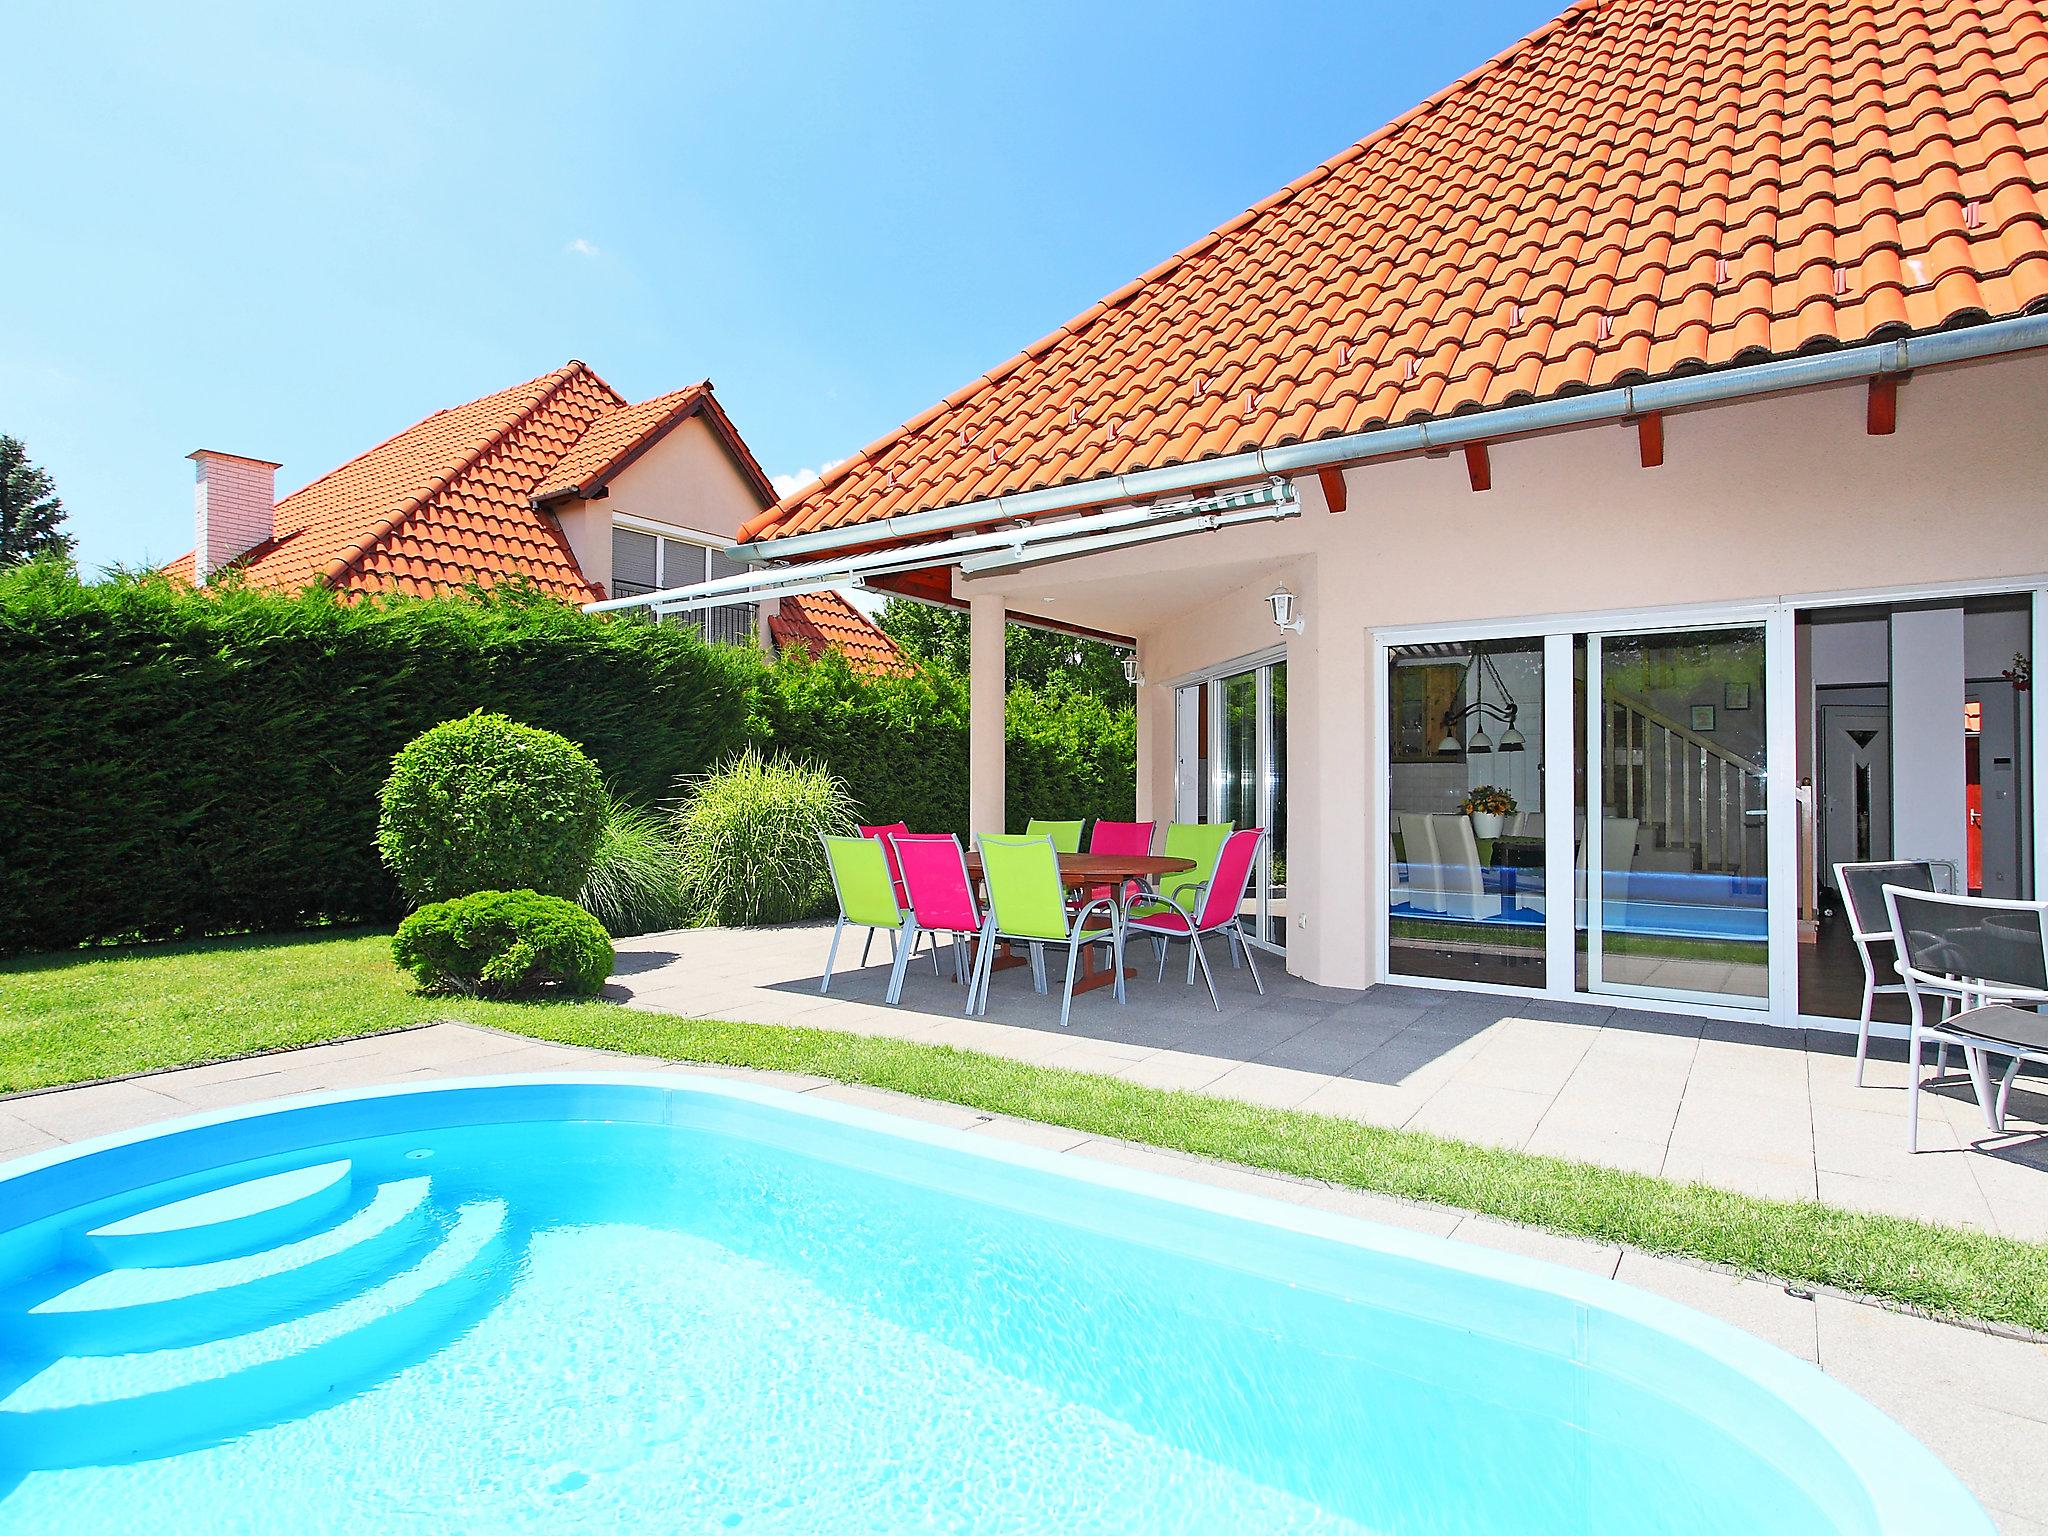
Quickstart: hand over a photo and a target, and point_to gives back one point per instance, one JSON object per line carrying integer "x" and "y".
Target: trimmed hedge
{"x": 176, "y": 763}
{"x": 504, "y": 944}
{"x": 901, "y": 744}
{"x": 484, "y": 803}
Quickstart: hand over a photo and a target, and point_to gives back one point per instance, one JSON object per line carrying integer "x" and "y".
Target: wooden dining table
{"x": 1085, "y": 871}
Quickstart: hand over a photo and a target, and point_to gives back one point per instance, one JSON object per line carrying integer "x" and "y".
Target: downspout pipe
{"x": 1995, "y": 338}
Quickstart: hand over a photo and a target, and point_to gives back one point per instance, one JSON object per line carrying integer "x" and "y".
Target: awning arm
{"x": 1159, "y": 520}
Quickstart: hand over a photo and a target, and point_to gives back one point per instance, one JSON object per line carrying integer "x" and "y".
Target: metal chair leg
{"x": 1073, "y": 964}
{"x": 1038, "y": 967}
{"x": 1980, "y": 1084}
{"x": 1195, "y": 947}
{"x": 831, "y": 954}
{"x": 1236, "y": 943}
{"x": 2005, "y": 1088}
{"x": 898, "y": 966}
{"x": 1116, "y": 957}
{"x": 985, "y": 960}
{"x": 1253, "y": 963}
{"x": 866, "y": 945}
{"x": 1913, "y": 1082}
{"x": 1160, "y": 946}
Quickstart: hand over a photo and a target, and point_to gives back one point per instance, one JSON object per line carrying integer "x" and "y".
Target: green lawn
{"x": 76, "y": 1017}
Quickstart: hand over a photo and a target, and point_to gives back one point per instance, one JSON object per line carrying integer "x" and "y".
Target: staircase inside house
{"x": 1698, "y": 805}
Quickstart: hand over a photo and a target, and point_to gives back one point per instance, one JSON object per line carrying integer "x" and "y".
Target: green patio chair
{"x": 1028, "y": 904}
{"x": 867, "y": 895}
{"x": 1201, "y": 841}
{"x": 1065, "y": 835}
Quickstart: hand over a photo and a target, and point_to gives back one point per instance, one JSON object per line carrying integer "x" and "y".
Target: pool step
{"x": 252, "y": 1214}
{"x": 123, "y": 1310}
{"x": 89, "y": 1411}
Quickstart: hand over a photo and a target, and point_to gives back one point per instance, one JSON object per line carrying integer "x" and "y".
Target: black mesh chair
{"x": 1993, "y": 955}
{"x": 1870, "y": 925}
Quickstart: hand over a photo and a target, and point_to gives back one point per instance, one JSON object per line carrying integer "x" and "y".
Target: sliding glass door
{"x": 1674, "y": 885}
{"x": 1466, "y": 849}
{"x": 1230, "y": 734}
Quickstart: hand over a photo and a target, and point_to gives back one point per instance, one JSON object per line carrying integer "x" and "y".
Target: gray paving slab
{"x": 1737, "y": 1103}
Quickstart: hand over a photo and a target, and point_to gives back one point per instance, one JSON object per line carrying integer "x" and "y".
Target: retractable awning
{"x": 980, "y": 553}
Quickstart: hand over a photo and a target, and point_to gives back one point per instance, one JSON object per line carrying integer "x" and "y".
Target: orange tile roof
{"x": 453, "y": 500}
{"x": 445, "y": 504}
{"x": 1639, "y": 188}
{"x": 618, "y": 437}
{"x": 819, "y": 620}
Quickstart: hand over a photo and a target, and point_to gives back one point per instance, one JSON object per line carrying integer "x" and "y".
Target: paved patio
{"x": 1743, "y": 1106}
{"x": 1974, "y": 1397}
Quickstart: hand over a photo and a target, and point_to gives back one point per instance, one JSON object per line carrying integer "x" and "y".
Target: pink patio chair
{"x": 1132, "y": 838}
{"x": 941, "y": 901}
{"x": 882, "y": 834}
{"x": 1211, "y": 907}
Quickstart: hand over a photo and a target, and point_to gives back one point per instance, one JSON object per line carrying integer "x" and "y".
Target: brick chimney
{"x": 234, "y": 502}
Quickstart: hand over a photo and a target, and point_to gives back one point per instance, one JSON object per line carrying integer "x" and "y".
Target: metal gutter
{"x": 1994, "y": 338}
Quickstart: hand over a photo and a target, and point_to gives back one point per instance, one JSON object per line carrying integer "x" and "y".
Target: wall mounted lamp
{"x": 1284, "y": 616}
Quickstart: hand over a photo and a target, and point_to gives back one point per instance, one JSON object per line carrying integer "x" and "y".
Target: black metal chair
{"x": 1870, "y": 925}
{"x": 1993, "y": 955}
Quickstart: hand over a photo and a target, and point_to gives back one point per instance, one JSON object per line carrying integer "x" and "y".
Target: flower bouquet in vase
{"x": 1487, "y": 806}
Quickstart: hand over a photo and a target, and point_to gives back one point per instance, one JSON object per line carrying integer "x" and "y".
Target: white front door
{"x": 1856, "y": 785}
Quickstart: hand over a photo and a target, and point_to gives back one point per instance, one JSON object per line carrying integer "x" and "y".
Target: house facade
{"x": 558, "y": 482}
{"x": 1571, "y": 520}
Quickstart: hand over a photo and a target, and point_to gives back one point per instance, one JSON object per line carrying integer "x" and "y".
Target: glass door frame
{"x": 1781, "y": 880}
{"x": 1562, "y": 763}
{"x": 1268, "y": 790}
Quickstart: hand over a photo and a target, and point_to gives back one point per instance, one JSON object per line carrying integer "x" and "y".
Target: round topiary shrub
{"x": 504, "y": 944}
{"x": 749, "y": 835}
{"x": 485, "y": 803}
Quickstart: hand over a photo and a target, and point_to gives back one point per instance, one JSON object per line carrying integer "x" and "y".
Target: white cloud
{"x": 797, "y": 479}
{"x": 582, "y": 247}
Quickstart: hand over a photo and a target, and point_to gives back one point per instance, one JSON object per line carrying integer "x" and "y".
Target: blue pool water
{"x": 633, "y": 1306}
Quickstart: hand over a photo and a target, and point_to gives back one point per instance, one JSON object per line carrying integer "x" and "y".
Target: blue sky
{"x": 291, "y": 231}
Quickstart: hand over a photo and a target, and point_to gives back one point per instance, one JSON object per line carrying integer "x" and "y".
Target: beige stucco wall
{"x": 1758, "y": 501}
{"x": 686, "y": 480}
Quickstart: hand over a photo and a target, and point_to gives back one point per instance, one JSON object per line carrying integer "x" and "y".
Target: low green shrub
{"x": 485, "y": 803}
{"x": 635, "y": 884}
{"x": 504, "y": 944}
{"x": 749, "y": 834}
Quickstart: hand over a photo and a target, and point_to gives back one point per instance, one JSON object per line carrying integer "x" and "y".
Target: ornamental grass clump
{"x": 485, "y": 803}
{"x": 505, "y": 944}
{"x": 635, "y": 884}
{"x": 749, "y": 835}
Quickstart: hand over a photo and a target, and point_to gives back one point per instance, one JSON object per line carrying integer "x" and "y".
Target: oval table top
{"x": 1104, "y": 868}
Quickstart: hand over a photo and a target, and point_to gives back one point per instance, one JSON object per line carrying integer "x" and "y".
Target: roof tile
{"x": 1657, "y": 185}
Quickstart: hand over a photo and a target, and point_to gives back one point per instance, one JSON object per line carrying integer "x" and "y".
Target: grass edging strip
{"x": 1945, "y": 1271}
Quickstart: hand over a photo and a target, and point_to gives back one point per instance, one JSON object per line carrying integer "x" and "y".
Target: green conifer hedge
{"x": 176, "y": 763}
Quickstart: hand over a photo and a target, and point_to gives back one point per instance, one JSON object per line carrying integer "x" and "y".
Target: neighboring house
{"x": 558, "y": 482}
{"x": 1649, "y": 423}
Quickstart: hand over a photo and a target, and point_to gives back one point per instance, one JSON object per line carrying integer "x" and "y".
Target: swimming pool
{"x": 650, "y": 1304}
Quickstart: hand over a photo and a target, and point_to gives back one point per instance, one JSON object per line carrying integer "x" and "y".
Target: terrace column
{"x": 987, "y": 693}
